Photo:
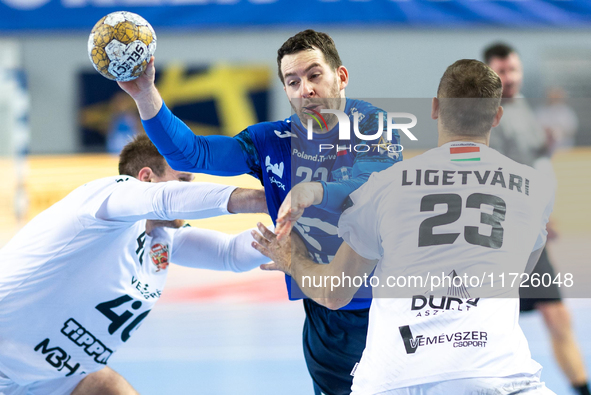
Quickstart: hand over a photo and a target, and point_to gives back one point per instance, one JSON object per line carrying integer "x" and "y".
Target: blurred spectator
{"x": 558, "y": 119}
{"x": 521, "y": 137}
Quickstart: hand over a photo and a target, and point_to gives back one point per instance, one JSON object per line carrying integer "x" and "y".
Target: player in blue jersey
{"x": 280, "y": 155}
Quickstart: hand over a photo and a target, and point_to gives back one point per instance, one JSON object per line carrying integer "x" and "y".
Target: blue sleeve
{"x": 335, "y": 193}
{"x": 184, "y": 151}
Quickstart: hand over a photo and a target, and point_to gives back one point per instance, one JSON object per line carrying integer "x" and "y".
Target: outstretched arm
{"x": 291, "y": 257}
{"x": 133, "y": 200}
{"x": 208, "y": 249}
{"x": 144, "y": 92}
{"x": 245, "y": 200}
{"x": 329, "y": 196}
{"x": 183, "y": 150}
{"x": 335, "y": 193}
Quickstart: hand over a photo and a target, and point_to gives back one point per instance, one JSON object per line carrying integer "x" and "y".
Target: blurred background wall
{"x": 392, "y": 48}
{"x": 383, "y": 62}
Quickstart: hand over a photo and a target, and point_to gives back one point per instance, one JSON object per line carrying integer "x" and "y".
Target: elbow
{"x": 233, "y": 267}
{"x": 230, "y": 261}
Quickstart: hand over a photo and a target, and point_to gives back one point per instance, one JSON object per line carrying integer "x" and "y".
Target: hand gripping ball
{"x": 121, "y": 45}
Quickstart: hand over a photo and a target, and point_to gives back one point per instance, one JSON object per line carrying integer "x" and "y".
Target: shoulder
{"x": 377, "y": 183}
{"x": 539, "y": 183}
{"x": 87, "y": 199}
{"x": 418, "y": 161}
{"x": 510, "y": 164}
{"x": 106, "y": 184}
{"x": 362, "y": 105}
{"x": 366, "y": 111}
{"x": 259, "y": 138}
{"x": 266, "y": 129}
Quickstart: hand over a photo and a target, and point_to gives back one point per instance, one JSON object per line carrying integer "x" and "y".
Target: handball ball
{"x": 121, "y": 45}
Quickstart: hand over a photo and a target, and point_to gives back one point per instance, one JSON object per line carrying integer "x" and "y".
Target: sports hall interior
{"x": 228, "y": 333}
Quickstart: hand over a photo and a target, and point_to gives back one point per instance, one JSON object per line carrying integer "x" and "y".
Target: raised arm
{"x": 144, "y": 92}
{"x": 183, "y": 150}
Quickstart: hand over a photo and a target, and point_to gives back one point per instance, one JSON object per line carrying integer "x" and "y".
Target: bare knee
{"x": 104, "y": 382}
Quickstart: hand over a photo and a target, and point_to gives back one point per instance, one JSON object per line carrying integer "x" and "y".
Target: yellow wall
{"x": 572, "y": 209}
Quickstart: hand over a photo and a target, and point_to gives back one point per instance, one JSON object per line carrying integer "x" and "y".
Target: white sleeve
{"x": 209, "y": 249}
{"x": 134, "y": 200}
{"x": 358, "y": 225}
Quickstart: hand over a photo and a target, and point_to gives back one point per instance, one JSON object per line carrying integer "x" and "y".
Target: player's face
{"x": 172, "y": 175}
{"x": 511, "y": 73}
{"x": 311, "y": 84}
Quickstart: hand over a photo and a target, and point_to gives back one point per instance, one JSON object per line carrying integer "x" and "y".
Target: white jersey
{"x": 80, "y": 278}
{"x": 460, "y": 209}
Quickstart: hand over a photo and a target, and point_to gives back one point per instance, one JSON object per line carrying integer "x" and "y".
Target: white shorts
{"x": 522, "y": 384}
{"x": 61, "y": 386}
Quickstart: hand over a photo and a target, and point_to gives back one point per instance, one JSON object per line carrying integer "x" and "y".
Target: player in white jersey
{"x": 460, "y": 211}
{"x": 79, "y": 279}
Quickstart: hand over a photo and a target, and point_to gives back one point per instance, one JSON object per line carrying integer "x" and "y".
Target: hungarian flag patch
{"x": 465, "y": 154}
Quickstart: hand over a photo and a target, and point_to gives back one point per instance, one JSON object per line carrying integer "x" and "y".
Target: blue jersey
{"x": 280, "y": 155}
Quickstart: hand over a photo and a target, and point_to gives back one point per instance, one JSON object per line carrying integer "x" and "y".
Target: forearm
{"x": 240, "y": 256}
{"x": 307, "y": 274}
{"x": 335, "y": 193}
{"x": 331, "y": 285}
{"x": 184, "y": 151}
{"x": 208, "y": 249}
{"x": 136, "y": 200}
{"x": 326, "y": 284}
{"x": 247, "y": 201}
{"x": 149, "y": 103}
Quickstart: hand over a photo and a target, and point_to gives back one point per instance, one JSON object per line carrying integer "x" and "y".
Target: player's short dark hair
{"x": 497, "y": 50}
{"x": 469, "y": 96}
{"x": 306, "y": 40}
{"x": 140, "y": 153}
